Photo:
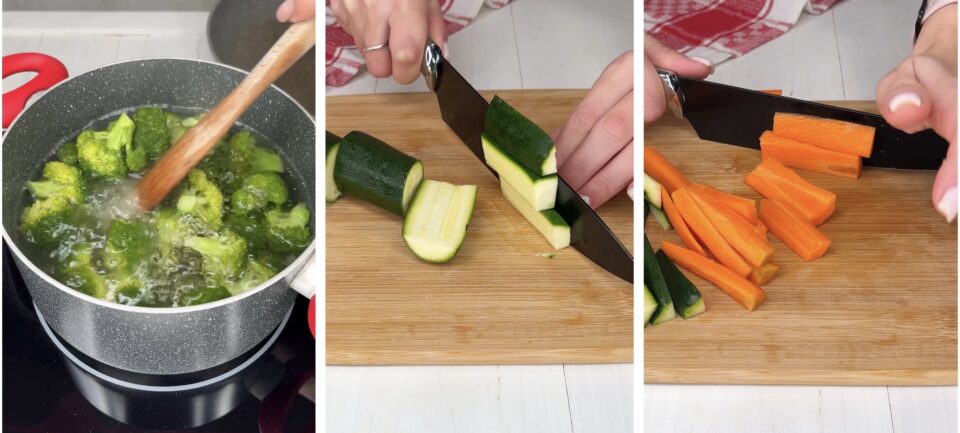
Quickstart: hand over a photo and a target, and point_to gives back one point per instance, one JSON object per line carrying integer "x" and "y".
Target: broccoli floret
{"x": 120, "y": 133}
{"x": 177, "y": 125}
{"x": 250, "y": 226}
{"x": 247, "y": 158}
{"x": 63, "y": 174}
{"x": 258, "y": 190}
{"x": 59, "y": 179}
{"x": 67, "y": 153}
{"x": 224, "y": 255}
{"x": 252, "y": 276}
{"x": 79, "y": 272}
{"x": 97, "y": 159}
{"x": 202, "y": 199}
{"x": 151, "y": 133}
{"x": 128, "y": 245}
{"x": 287, "y": 232}
{"x": 43, "y": 221}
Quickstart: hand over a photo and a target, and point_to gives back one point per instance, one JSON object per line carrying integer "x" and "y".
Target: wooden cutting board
{"x": 499, "y": 301}
{"x": 879, "y": 308}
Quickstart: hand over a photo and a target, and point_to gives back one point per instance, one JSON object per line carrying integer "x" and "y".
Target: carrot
{"x": 736, "y": 230}
{"x": 764, "y": 274}
{"x": 798, "y": 234}
{"x": 773, "y": 180}
{"x": 742, "y": 205}
{"x": 662, "y": 170}
{"x": 804, "y": 156}
{"x": 674, "y": 216}
{"x": 740, "y": 289}
{"x": 708, "y": 234}
{"x": 776, "y": 92}
{"x": 836, "y": 135}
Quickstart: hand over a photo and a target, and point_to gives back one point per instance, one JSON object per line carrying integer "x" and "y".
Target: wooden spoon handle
{"x": 174, "y": 165}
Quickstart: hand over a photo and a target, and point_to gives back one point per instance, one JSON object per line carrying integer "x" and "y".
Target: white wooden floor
{"x": 841, "y": 54}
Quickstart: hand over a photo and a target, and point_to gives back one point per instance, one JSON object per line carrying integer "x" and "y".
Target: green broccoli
{"x": 177, "y": 125}
{"x": 258, "y": 190}
{"x": 43, "y": 221}
{"x": 120, "y": 133}
{"x": 151, "y": 133}
{"x": 67, "y": 153}
{"x": 287, "y": 232}
{"x": 252, "y": 276}
{"x": 59, "y": 179}
{"x": 98, "y": 159}
{"x": 79, "y": 272}
{"x": 247, "y": 158}
{"x": 250, "y": 226}
{"x": 224, "y": 255}
{"x": 202, "y": 199}
{"x": 128, "y": 245}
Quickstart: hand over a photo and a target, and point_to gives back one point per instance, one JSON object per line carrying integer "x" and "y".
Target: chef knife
{"x": 464, "y": 110}
{"x": 737, "y": 116}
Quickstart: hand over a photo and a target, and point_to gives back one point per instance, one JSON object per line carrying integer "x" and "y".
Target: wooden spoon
{"x": 174, "y": 165}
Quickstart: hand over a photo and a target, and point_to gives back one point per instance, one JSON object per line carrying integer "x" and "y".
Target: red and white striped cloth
{"x": 344, "y": 59}
{"x": 719, "y": 30}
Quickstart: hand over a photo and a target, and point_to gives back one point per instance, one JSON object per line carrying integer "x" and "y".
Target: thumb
{"x": 902, "y": 101}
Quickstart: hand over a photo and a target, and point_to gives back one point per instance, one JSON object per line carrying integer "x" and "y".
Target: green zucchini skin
{"x": 520, "y": 137}
{"x": 373, "y": 171}
{"x": 687, "y": 301}
{"x": 653, "y": 278}
{"x": 332, "y": 192}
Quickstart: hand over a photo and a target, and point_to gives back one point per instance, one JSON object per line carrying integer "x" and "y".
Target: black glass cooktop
{"x": 50, "y": 388}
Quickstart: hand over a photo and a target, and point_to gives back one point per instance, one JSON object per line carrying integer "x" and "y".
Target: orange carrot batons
{"x": 734, "y": 228}
{"x": 742, "y": 205}
{"x": 679, "y": 225}
{"x": 764, "y": 274}
{"x": 711, "y": 238}
{"x": 792, "y": 153}
{"x": 798, "y": 234}
{"x": 737, "y": 287}
{"x": 775, "y": 181}
{"x": 662, "y": 170}
{"x": 836, "y": 135}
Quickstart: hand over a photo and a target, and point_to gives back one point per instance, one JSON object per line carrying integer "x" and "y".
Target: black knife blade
{"x": 463, "y": 109}
{"x": 738, "y": 116}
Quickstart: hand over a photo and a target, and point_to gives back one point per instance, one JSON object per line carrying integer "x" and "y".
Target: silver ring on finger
{"x": 376, "y": 47}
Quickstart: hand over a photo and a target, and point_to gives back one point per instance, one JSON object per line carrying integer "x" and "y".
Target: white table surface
{"x": 839, "y": 55}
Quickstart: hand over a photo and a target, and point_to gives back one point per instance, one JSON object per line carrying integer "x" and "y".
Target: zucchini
{"x": 653, "y": 278}
{"x": 520, "y": 137}
{"x": 436, "y": 223}
{"x": 333, "y": 145}
{"x": 687, "y": 301}
{"x": 372, "y": 170}
{"x": 548, "y": 222}
{"x": 649, "y": 304}
{"x": 539, "y": 191}
{"x": 660, "y": 217}
{"x": 651, "y": 191}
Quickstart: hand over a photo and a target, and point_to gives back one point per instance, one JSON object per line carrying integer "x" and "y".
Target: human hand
{"x": 403, "y": 25}
{"x": 657, "y": 55}
{"x": 595, "y": 144}
{"x": 295, "y": 11}
{"x": 921, "y": 93}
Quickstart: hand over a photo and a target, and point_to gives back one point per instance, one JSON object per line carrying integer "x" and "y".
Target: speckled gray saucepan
{"x": 139, "y": 339}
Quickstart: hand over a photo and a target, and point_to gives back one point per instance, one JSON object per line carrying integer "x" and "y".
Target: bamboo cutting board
{"x": 499, "y": 301}
{"x": 880, "y": 308}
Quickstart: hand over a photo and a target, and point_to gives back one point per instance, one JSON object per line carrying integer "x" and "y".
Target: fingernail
{"x": 904, "y": 98}
{"x": 948, "y": 204}
{"x": 587, "y": 200}
{"x": 446, "y": 51}
{"x": 630, "y": 191}
{"x": 285, "y": 11}
{"x": 703, "y": 60}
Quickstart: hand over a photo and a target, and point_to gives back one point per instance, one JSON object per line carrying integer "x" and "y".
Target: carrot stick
{"x": 804, "y": 156}
{"x": 742, "y": 205}
{"x": 764, "y": 274}
{"x": 798, "y": 234}
{"x": 662, "y": 170}
{"x": 736, "y": 230}
{"x": 836, "y": 135}
{"x": 776, "y": 92}
{"x": 775, "y": 181}
{"x": 708, "y": 234}
{"x": 740, "y": 289}
{"x": 674, "y": 216}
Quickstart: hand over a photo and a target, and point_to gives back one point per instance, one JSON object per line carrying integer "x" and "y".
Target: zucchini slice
{"x": 539, "y": 191}
{"x": 686, "y": 297}
{"x": 651, "y": 191}
{"x": 649, "y": 304}
{"x": 660, "y": 217}
{"x": 333, "y": 145}
{"x": 372, "y": 170}
{"x": 436, "y": 223}
{"x": 548, "y": 222}
{"x": 653, "y": 278}
{"x": 520, "y": 137}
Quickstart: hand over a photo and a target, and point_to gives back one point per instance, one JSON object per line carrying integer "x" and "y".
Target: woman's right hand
{"x": 401, "y": 24}
{"x": 657, "y": 55}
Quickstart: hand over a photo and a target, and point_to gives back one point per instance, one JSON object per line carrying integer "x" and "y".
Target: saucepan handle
{"x": 49, "y": 72}
{"x": 305, "y": 284}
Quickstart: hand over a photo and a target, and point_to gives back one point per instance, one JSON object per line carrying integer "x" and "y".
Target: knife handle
{"x": 431, "y": 62}
{"x": 672, "y": 92}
